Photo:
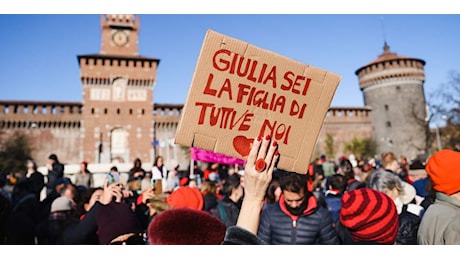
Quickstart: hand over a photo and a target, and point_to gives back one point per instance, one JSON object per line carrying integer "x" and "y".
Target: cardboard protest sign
{"x": 240, "y": 91}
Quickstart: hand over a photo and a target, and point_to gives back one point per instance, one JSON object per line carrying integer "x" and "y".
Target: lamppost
{"x": 434, "y": 112}
{"x": 438, "y": 136}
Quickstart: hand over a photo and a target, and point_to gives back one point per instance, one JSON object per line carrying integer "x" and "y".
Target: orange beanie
{"x": 185, "y": 196}
{"x": 444, "y": 170}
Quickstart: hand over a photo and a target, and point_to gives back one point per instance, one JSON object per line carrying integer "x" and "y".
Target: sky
{"x": 39, "y": 51}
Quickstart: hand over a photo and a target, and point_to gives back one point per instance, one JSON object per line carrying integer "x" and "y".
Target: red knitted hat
{"x": 185, "y": 226}
{"x": 186, "y": 197}
{"x": 369, "y": 215}
{"x": 443, "y": 168}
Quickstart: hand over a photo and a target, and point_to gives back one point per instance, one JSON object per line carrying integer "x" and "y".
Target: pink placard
{"x": 206, "y": 156}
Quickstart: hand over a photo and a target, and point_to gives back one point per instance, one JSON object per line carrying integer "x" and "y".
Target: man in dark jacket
{"x": 297, "y": 218}
{"x": 55, "y": 171}
{"x": 228, "y": 209}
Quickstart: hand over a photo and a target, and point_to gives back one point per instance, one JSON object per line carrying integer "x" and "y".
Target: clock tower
{"x": 117, "y": 120}
{"x": 120, "y": 34}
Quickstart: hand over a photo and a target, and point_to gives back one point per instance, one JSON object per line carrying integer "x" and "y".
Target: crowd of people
{"x": 346, "y": 201}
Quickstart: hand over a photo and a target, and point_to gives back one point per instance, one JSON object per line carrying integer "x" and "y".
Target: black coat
{"x": 408, "y": 228}
{"x": 210, "y": 202}
{"x": 314, "y": 226}
{"x": 38, "y": 182}
{"x": 230, "y": 210}
{"x": 23, "y": 221}
{"x": 56, "y": 173}
{"x": 83, "y": 232}
{"x": 239, "y": 236}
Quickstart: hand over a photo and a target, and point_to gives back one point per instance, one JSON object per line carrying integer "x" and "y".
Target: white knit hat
{"x": 61, "y": 204}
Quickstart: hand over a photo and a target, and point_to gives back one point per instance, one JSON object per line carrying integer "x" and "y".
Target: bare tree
{"x": 446, "y": 102}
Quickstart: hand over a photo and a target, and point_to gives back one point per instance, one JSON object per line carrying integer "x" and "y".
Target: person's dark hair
{"x": 155, "y": 163}
{"x": 34, "y": 164}
{"x": 114, "y": 168}
{"x": 84, "y": 198}
{"x": 231, "y": 183}
{"x": 53, "y": 157}
{"x": 338, "y": 182}
{"x": 137, "y": 167}
{"x": 347, "y": 168}
{"x": 270, "y": 194}
{"x": 137, "y": 163}
{"x": 293, "y": 182}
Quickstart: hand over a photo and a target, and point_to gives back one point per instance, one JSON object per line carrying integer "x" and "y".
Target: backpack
{"x": 222, "y": 212}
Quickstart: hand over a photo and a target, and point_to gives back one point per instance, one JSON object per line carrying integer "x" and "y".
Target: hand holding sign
{"x": 256, "y": 182}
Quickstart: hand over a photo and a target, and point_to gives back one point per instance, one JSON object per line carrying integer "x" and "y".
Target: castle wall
{"x": 56, "y": 128}
{"x": 166, "y": 118}
{"x": 51, "y": 127}
{"x": 344, "y": 123}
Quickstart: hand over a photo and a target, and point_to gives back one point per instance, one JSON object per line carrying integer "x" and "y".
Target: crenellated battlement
{"x": 348, "y": 115}
{"x": 389, "y": 66}
{"x": 101, "y": 69}
{"x": 120, "y": 20}
{"x": 36, "y": 114}
{"x": 167, "y": 113}
{"x": 95, "y": 81}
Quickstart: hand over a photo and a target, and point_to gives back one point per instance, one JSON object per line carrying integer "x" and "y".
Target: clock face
{"x": 120, "y": 38}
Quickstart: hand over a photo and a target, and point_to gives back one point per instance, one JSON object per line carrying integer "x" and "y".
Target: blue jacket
{"x": 314, "y": 226}
{"x": 334, "y": 205}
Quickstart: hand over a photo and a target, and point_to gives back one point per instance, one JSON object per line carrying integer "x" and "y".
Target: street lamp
{"x": 438, "y": 136}
{"x": 434, "y": 112}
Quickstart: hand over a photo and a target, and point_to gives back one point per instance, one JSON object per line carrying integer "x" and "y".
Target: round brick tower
{"x": 392, "y": 86}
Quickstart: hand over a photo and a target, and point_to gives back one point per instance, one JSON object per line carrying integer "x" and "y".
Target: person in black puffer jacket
{"x": 297, "y": 218}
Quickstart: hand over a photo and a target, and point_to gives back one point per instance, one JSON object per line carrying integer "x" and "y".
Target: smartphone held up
{"x": 157, "y": 186}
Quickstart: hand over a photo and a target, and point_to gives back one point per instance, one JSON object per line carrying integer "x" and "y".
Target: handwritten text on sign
{"x": 227, "y": 117}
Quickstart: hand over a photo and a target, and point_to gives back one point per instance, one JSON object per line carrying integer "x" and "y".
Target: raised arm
{"x": 256, "y": 181}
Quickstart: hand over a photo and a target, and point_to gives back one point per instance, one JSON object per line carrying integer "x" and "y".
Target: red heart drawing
{"x": 242, "y": 145}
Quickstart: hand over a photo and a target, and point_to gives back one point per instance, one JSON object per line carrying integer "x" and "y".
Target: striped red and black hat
{"x": 369, "y": 215}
